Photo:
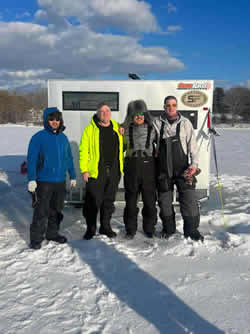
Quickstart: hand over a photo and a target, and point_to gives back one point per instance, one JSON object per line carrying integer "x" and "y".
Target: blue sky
{"x": 106, "y": 39}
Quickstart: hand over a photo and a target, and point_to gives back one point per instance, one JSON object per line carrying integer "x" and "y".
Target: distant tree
{"x": 245, "y": 111}
{"x": 38, "y": 98}
{"x": 237, "y": 99}
{"x": 16, "y": 107}
{"x": 4, "y": 106}
{"x": 218, "y": 101}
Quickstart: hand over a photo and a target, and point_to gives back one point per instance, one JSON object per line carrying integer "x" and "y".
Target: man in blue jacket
{"x": 49, "y": 158}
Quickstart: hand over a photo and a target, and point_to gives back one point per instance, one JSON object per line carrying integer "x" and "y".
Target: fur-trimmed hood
{"x": 133, "y": 107}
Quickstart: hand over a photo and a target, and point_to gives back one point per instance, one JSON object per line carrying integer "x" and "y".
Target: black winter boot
{"x": 108, "y": 232}
{"x": 150, "y": 235}
{"x": 196, "y": 236}
{"x": 60, "y": 239}
{"x": 169, "y": 226}
{"x": 35, "y": 245}
{"x": 88, "y": 235}
{"x": 130, "y": 236}
{"x": 191, "y": 225}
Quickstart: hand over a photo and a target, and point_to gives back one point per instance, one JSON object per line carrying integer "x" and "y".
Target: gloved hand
{"x": 190, "y": 173}
{"x": 72, "y": 183}
{"x": 32, "y": 185}
{"x": 191, "y": 170}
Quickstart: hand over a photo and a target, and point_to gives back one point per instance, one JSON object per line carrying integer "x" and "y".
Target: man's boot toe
{"x": 35, "y": 245}
{"x": 60, "y": 239}
{"x": 108, "y": 232}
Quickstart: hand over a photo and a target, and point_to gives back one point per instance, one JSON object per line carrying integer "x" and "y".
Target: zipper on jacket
{"x": 58, "y": 154}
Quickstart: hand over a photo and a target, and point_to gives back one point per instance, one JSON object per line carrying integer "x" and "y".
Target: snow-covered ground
{"x": 120, "y": 286}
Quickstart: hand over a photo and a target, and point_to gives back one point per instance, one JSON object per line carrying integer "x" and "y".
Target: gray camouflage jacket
{"x": 187, "y": 136}
{"x": 139, "y": 137}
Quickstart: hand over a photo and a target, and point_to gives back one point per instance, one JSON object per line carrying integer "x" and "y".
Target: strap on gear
{"x": 131, "y": 138}
{"x": 218, "y": 179}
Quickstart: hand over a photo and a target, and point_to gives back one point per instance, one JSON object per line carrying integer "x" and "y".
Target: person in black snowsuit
{"x": 177, "y": 163}
{"x": 139, "y": 169}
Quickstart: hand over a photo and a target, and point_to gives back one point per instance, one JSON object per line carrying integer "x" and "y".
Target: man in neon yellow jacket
{"x": 101, "y": 164}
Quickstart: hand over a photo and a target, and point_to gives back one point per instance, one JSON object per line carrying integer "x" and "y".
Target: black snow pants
{"x": 172, "y": 163}
{"x": 47, "y": 213}
{"x": 139, "y": 177}
{"x": 188, "y": 207}
{"x": 100, "y": 195}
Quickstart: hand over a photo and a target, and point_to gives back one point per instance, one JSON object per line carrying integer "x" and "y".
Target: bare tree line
{"x": 22, "y": 107}
{"x": 231, "y": 105}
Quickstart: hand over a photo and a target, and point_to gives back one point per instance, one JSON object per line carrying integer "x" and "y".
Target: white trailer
{"x": 78, "y": 100}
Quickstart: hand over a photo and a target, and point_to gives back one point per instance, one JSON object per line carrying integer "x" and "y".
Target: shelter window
{"x": 89, "y": 101}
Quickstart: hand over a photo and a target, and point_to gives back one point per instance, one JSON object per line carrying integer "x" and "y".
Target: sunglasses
{"x": 52, "y": 117}
{"x": 171, "y": 105}
{"x": 139, "y": 114}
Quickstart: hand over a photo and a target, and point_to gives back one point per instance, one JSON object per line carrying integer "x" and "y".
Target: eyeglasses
{"x": 174, "y": 105}
{"x": 138, "y": 114}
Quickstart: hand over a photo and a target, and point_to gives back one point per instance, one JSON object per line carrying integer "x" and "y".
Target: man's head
{"x": 170, "y": 107}
{"x": 138, "y": 118}
{"x": 137, "y": 113}
{"x": 52, "y": 119}
{"x": 104, "y": 114}
{"x": 139, "y": 110}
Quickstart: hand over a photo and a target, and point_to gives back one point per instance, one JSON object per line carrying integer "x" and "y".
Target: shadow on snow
{"x": 15, "y": 202}
{"x": 147, "y": 296}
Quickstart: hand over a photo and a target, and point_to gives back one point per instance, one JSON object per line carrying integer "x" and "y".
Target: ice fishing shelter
{"x": 78, "y": 100}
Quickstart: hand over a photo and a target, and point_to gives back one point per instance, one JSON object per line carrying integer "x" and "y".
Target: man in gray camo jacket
{"x": 139, "y": 169}
{"x": 177, "y": 163}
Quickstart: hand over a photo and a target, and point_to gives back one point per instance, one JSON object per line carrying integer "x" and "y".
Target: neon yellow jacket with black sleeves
{"x": 89, "y": 149}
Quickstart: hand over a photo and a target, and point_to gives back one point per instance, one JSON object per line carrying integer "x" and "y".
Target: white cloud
{"x": 28, "y": 50}
{"x": 23, "y": 15}
{"x": 171, "y": 8}
{"x": 16, "y": 84}
{"x": 53, "y": 47}
{"x": 41, "y": 15}
{"x": 25, "y": 74}
{"x": 174, "y": 28}
{"x": 171, "y": 30}
{"x": 21, "y": 28}
{"x": 132, "y": 16}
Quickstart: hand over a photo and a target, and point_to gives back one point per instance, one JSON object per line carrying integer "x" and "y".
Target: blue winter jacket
{"x": 49, "y": 154}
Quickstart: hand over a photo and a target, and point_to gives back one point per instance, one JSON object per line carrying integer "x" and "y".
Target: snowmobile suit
{"x": 170, "y": 174}
{"x": 139, "y": 178}
{"x": 100, "y": 155}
